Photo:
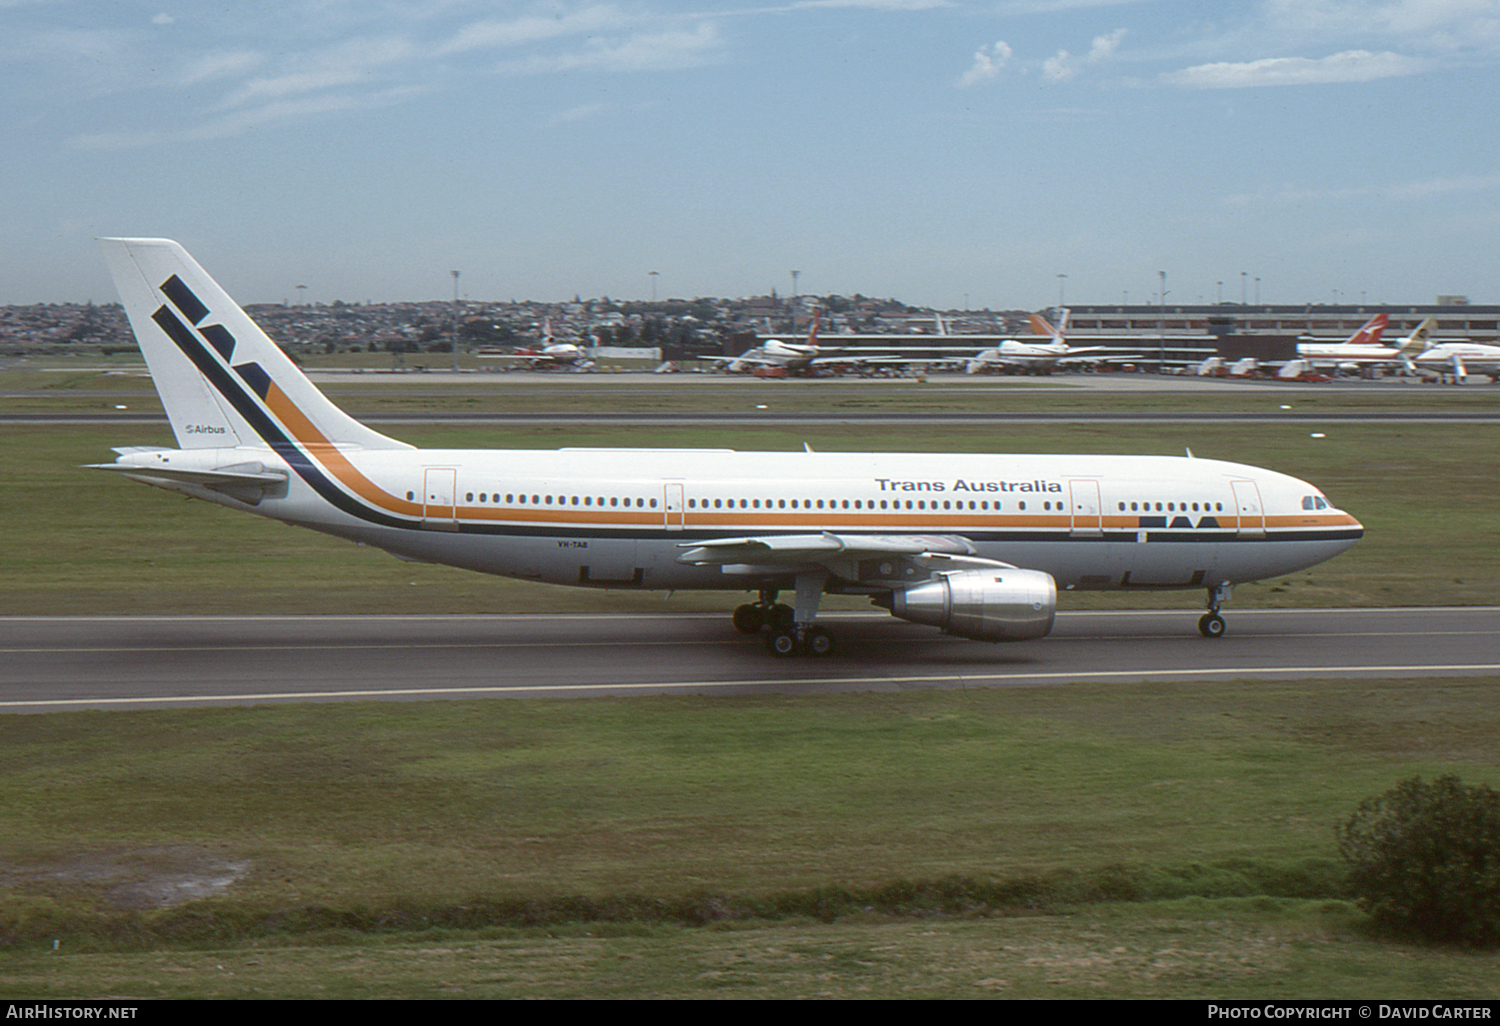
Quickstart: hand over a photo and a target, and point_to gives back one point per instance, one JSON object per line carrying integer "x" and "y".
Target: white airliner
{"x": 1035, "y": 357}
{"x": 1361, "y": 348}
{"x": 975, "y": 544}
{"x": 1365, "y": 349}
{"x": 1455, "y": 361}
{"x": 547, "y": 354}
{"x": 792, "y": 359}
{"x": 1418, "y": 353}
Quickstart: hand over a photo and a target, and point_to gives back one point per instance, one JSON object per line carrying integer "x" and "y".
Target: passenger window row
{"x": 512, "y": 499}
{"x": 1174, "y": 507}
{"x": 841, "y": 504}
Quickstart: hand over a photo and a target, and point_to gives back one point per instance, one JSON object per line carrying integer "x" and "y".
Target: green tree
{"x": 1424, "y": 859}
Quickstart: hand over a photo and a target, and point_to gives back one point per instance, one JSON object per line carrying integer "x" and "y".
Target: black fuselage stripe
{"x": 692, "y": 534}
{"x": 262, "y": 424}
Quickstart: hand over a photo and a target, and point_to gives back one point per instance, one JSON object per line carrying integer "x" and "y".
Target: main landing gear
{"x": 1211, "y": 624}
{"x": 789, "y": 630}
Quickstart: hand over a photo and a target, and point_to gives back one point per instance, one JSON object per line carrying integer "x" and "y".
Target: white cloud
{"x": 1436, "y": 26}
{"x": 220, "y": 65}
{"x": 490, "y": 34}
{"x": 1289, "y": 195}
{"x": 647, "y": 51}
{"x": 873, "y": 5}
{"x": 1064, "y": 65}
{"x": 1014, "y": 7}
{"x": 1059, "y": 68}
{"x": 988, "y": 60}
{"x": 1104, "y": 47}
{"x": 354, "y": 62}
{"x": 583, "y": 112}
{"x": 240, "y": 122}
{"x": 1349, "y": 66}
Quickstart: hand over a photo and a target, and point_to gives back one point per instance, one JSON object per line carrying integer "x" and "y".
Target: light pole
{"x": 1161, "y": 327}
{"x": 654, "y": 275}
{"x": 455, "y": 320}
{"x": 1061, "y": 281}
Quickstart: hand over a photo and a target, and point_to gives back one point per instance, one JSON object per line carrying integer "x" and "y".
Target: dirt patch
{"x": 133, "y": 878}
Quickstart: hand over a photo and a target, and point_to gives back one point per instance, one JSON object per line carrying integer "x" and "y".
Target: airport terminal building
{"x": 1177, "y": 337}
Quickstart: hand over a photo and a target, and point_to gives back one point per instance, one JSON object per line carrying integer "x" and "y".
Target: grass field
{"x": 889, "y": 841}
{"x": 1161, "y": 840}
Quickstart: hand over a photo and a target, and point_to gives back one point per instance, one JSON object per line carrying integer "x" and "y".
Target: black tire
{"x": 749, "y": 619}
{"x": 817, "y": 642}
{"x": 782, "y": 642}
{"x": 1212, "y": 625}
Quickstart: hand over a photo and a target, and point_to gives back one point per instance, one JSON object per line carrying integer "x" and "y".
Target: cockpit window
{"x": 1315, "y": 502}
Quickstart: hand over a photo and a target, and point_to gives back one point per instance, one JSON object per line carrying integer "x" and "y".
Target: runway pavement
{"x": 149, "y": 662}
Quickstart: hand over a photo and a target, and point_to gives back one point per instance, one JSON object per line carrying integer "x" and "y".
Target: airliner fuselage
{"x": 975, "y": 544}
{"x": 623, "y": 518}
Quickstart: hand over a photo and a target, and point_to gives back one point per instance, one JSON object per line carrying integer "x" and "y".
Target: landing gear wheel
{"x": 817, "y": 642}
{"x": 1211, "y": 625}
{"x": 780, "y": 615}
{"x": 782, "y": 641}
{"x": 749, "y": 619}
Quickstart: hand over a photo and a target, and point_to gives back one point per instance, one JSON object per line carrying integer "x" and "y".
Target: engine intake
{"x": 1003, "y": 604}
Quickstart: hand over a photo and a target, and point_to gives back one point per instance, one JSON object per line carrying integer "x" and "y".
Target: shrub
{"x": 1425, "y": 859}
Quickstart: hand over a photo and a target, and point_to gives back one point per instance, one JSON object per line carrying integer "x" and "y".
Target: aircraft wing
{"x": 884, "y": 361}
{"x": 759, "y": 361}
{"x": 886, "y": 559}
{"x": 1094, "y": 354}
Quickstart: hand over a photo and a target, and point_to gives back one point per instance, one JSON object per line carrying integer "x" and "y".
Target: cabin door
{"x": 1251, "y": 514}
{"x": 1083, "y": 501}
{"x": 439, "y": 510}
{"x": 672, "y": 501}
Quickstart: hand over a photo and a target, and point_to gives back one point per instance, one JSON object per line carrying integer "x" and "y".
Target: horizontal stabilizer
{"x": 240, "y": 474}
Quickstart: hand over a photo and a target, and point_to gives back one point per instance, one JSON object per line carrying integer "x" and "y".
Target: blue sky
{"x": 937, "y": 151}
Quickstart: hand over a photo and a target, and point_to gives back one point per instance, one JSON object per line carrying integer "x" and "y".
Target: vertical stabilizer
{"x": 1369, "y": 333}
{"x": 1420, "y": 340}
{"x": 1041, "y": 326}
{"x": 223, "y": 382}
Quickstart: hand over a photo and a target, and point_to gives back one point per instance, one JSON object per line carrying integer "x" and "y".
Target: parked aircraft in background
{"x": 555, "y": 356}
{"x": 547, "y": 354}
{"x": 1359, "y": 349}
{"x": 775, "y": 358}
{"x": 1014, "y": 356}
{"x": 1455, "y": 361}
{"x": 1417, "y": 354}
{"x": 974, "y": 544}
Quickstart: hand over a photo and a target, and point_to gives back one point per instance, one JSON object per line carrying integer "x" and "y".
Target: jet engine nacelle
{"x": 1003, "y": 604}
